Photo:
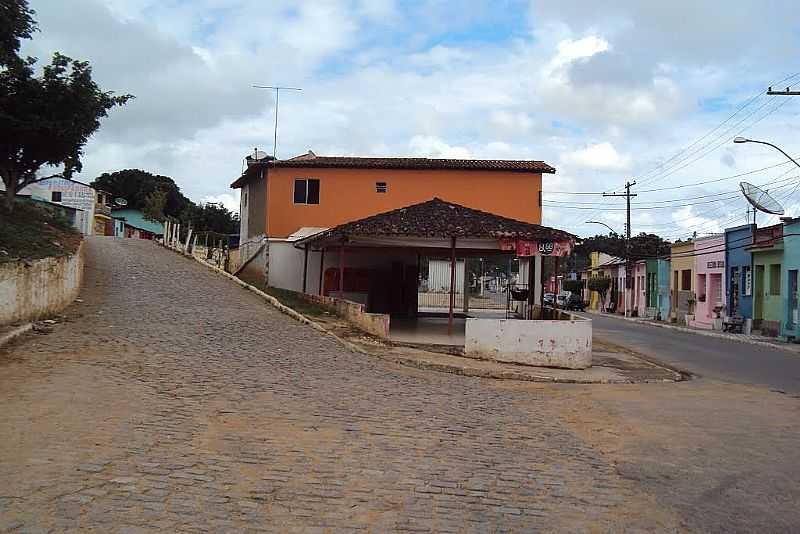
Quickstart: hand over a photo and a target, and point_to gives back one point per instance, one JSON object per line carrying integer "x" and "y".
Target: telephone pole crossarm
{"x": 787, "y": 92}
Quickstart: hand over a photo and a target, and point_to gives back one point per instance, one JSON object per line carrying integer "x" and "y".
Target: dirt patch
{"x": 33, "y": 231}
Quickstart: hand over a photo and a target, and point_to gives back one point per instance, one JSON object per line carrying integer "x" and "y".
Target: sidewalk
{"x": 763, "y": 341}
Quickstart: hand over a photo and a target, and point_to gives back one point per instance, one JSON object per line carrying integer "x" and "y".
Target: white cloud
{"x": 602, "y": 156}
{"x": 229, "y": 201}
{"x": 430, "y": 146}
{"x": 594, "y": 90}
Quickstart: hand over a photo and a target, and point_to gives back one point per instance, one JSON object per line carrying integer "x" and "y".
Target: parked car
{"x": 562, "y": 299}
{"x": 575, "y": 303}
{"x": 549, "y": 299}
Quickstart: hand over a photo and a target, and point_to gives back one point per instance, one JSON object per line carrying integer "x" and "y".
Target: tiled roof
{"x": 311, "y": 160}
{"x": 437, "y": 218}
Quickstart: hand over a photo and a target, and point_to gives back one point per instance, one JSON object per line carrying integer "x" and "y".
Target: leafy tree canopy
{"x": 159, "y": 198}
{"x": 45, "y": 119}
{"x": 142, "y": 189}
{"x": 16, "y": 23}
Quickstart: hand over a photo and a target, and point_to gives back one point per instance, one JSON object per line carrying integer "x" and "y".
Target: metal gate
{"x": 486, "y": 282}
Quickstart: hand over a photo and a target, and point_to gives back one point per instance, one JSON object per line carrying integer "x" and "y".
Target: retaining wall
{"x": 375, "y": 323}
{"x": 547, "y": 343}
{"x": 31, "y": 290}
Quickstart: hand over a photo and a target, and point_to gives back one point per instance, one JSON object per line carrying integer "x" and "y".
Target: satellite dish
{"x": 259, "y": 155}
{"x": 120, "y": 202}
{"x": 760, "y": 199}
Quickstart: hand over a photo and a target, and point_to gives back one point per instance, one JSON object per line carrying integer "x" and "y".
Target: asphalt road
{"x": 709, "y": 357}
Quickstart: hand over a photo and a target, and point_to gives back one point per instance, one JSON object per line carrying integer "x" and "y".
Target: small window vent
{"x": 380, "y": 187}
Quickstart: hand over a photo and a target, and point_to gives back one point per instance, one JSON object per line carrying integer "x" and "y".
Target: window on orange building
{"x": 306, "y": 191}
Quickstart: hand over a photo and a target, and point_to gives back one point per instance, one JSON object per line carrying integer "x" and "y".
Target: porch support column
{"x": 341, "y": 270}
{"x": 305, "y": 267}
{"x": 321, "y": 268}
{"x": 465, "y": 288}
{"x": 556, "y": 288}
{"x": 531, "y": 285}
{"x": 452, "y": 285}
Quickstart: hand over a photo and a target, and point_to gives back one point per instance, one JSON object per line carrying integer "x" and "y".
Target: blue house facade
{"x": 739, "y": 271}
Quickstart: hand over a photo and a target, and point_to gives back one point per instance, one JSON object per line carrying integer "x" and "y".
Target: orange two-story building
{"x": 283, "y": 201}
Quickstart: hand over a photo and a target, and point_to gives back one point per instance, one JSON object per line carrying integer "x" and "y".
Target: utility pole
{"x": 628, "y": 282}
{"x": 787, "y": 92}
{"x": 278, "y": 89}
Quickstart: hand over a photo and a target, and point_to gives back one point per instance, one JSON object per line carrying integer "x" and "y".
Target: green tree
{"x": 154, "y": 205}
{"x": 601, "y": 284}
{"x": 573, "y": 286}
{"x": 136, "y": 186}
{"x": 45, "y": 119}
{"x": 16, "y": 23}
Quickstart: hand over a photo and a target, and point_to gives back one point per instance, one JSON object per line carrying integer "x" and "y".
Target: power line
{"x": 724, "y": 138}
{"x": 648, "y": 175}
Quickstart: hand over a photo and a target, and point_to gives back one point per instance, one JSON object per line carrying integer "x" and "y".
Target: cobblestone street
{"x": 175, "y": 400}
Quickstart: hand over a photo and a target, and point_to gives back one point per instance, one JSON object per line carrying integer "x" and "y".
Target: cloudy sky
{"x": 604, "y": 92}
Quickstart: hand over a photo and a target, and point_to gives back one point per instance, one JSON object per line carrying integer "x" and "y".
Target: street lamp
{"x": 604, "y": 224}
{"x": 627, "y": 260}
{"x": 739, "y": 140}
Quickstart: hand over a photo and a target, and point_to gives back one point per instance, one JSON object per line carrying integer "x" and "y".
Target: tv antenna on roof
{"x": 278, "y": 90}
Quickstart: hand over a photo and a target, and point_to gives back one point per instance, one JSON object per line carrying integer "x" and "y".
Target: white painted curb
{"x": 8, "y": 337}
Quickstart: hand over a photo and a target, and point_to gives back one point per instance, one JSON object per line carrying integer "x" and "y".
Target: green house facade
{"x": 768, "y": 280}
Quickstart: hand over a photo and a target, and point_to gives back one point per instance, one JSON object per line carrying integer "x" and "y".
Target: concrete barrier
{"x": 547, "y": 343}
{"x": 31, "y": 290}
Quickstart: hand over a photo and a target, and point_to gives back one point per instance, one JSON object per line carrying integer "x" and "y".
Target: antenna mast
{"x": 278, "y": 90}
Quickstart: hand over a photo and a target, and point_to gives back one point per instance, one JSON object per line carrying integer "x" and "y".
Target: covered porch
{"x": 391, "y": 265}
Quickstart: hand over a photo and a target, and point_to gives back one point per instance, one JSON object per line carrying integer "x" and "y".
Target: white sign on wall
{"x": 748, "y": 281}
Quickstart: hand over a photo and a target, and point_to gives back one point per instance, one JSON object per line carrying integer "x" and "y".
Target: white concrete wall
{"x": 523, "y": 275}
{"x": 566, "y": 344}
{"x": 31, "y": 290}
{"x": 286, "y": 265}
{"x": 244, "y": 198}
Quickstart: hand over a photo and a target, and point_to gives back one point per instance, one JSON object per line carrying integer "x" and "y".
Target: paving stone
{"x": 191, "y": 405}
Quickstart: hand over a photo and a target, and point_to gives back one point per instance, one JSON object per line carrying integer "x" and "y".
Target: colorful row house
{"x": 768, "y": 302}
{"x": 739, "y": 264}
{"x": 651, "y": 289}
{"x": 709, "y": 309}
{"x": 790, "y": 327}
{"x": 747, "y": 273}
{"x": 682, "y": 296}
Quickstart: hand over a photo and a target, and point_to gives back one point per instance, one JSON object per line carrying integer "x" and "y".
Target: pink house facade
{"x": 639, "y": 288}
{"x": 709, "y": 271}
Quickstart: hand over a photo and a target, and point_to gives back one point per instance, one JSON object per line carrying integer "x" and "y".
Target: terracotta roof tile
{"x": 311, "y": 160}
{"x": 437, "y": 218}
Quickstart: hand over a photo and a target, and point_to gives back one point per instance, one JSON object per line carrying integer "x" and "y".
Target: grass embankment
{"x": 34, "y": 231}
{"x": 293, "y": 300}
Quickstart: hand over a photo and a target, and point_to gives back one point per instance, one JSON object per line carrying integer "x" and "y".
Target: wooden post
{"x": 305, "y": 267}
{"x": 321, "y": 269}
{"x": 341, "y": 270}
{"x": 452, "y": 285}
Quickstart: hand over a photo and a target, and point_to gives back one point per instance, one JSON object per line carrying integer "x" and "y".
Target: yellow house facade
{"x": 682, "y": 281}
